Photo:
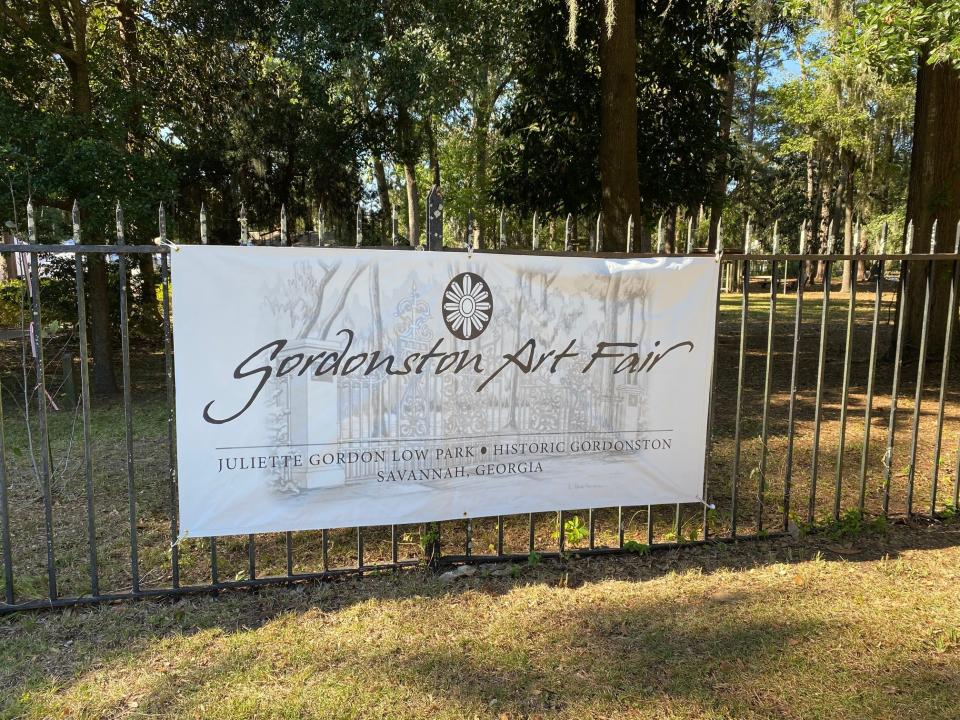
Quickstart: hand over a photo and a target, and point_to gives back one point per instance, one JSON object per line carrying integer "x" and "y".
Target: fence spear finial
{"x": 599, "y": 243}
{"x": 244, "y": 229}
{"x": 162, "y": 224}
{"x": 933, "y": 237}
{"x": 568, "y": 234}
{"x": 503, "y": 228}
{"x": 359, "y": 225}
{"x": 908, "y": 245}
{"x": 803, "y": 238}
{"x": 468, "y": 238}
{"x": 204, "y": 240}
{"x": 660, "y": 234}
{"x": 746, "y": 239}
{"x": 630, "y": 234}
{"x": 284, "y": 235}
{"x": 776, "y": 236}
{"x": 690, "y": 234}
{"x": 75, "y": 219}
{"x": 121, "y": 238}
{"x": 31, "y": 223}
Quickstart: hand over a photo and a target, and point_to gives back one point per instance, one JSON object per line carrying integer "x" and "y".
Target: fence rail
{"x": 804, "y": 382}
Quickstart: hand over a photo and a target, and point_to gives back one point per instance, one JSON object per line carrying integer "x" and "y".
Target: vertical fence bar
{"x": 871, "y": 371}
{"x": 394, "y": 546}
{"x": 792, "y": 407}
{"x": 898, "y": 355}
{"x": 5, "y": 521}
{"x": 288, "y": 548}
{"x": 171, "y": 402}
{"x": 532, "y": 538}
{"x": 921, "y": 369}
{"x": 711, "y": 400}
{"x": 251, "y": 556}
{"x": 85, "y": 405}
{"x": 945, "y": 373}
{"x": 821, "y": 362}
{"x": 744, "y": 315}
{"x": 561, "y": 539}
{"x": 324, "y": 551}
{"x": 845, "y": 392}
{"x": 214, "y": 569}
{"x": 500, "y": 535}
{"x": 127, "y": 403}
{"x": 359, "y": 548}
{"x": 768, "y": 379}
{"x": 41, "y": 388}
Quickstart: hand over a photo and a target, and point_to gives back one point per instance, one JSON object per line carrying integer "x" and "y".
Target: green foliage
{"x": 851, "y": 524}
{"x": 548, "y": 159}
{"x": 533, "y": 559}
{"x": 574, "y": 530}
{"x": 636, "y": 548}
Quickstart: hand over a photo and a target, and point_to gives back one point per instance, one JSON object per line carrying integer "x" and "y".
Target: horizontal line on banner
{"x": 464, "y": 437}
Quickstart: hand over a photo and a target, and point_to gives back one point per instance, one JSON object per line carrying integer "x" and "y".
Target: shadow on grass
{"x": 575, "y": 637}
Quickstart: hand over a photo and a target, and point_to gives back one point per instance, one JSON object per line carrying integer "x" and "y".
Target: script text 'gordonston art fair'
{"x": 332, "y": 388}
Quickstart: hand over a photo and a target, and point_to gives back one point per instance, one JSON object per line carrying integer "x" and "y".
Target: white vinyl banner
{"x": 321, "y": 388}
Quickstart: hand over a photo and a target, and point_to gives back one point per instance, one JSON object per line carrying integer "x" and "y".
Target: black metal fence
{"x": 807, "y": 380}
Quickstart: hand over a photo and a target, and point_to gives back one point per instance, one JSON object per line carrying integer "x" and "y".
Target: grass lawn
{"x": 813, "y": 628}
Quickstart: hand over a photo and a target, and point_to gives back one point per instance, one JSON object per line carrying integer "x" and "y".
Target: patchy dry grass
{"x": 808, "y": 629}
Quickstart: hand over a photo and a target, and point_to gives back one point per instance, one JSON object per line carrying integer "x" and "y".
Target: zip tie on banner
{"x": 708, "y": 506}
{"x": 172, "y": 246}
{"x": 176, "y": 543}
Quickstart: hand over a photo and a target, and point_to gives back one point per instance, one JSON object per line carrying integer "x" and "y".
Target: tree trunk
{"x": 103, "y": 380}
{"x": 434, "y": 157}
{"x": 670, "y": 231}
{"x": 720, "y": 186}
{"x": 825, "y": 212}
{"x": 933, "y": 194}
{"x": 482, "y": 185}
{"x": 383, "y": 192}
{"x": 413, "y": 203}
{"x": 101, "y": 337}
{"x": 619, "y": 180}
{"x": 848, "y": 197}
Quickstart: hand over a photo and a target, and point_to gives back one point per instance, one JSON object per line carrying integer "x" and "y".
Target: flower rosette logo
{"x": 467, "y": 306}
